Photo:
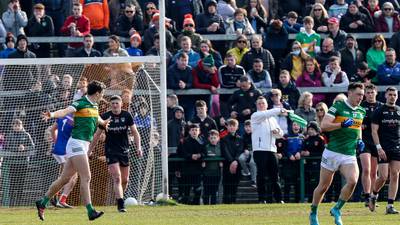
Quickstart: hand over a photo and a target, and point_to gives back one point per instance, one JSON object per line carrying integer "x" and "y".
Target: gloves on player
{"x": 347, "y": 123}
{"x": 360, "y": 145}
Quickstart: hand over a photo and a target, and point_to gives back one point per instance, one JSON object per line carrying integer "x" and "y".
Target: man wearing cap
{"x": 40, "y": 25}
{"x": 190, "y": 31}
{"x": 351, "y": 56}
{"x": 129, "y": 23}
{"x": 10, "y": 44}
{"x": 338, "y": 36}
{"x": 205, "y": 76}
{"x": 117, "y": 146}
{"x": 149, "y": 34}
{"x": 14, "y": 18}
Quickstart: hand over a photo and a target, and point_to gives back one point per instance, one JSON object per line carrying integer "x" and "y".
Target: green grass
{"x": 353, "y": 213}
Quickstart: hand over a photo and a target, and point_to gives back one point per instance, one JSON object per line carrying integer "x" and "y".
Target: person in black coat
{"x": 257, "y": 51}
{"x": 243, "y": 101}
{"x": 338, "y": 36}
{"x": 40, "y": 25}
{"x": 290, "y": 93}
{"x": 129, "y": 23}
{"x": 176, "y": 127}
{"x": 179, "y": 77}
{"x": 354, "y": 21}
{"x": 210, "y": 22}
{"x": 231, "y": 148}
{"x": 193, "y": 151}
{"x": 205, "y": 122}
{"x": 87, "y": 50}
{"x": 327, "y": 51}
{"x": 348, "y": 63}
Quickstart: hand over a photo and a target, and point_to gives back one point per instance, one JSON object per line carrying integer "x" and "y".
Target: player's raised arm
{"x": 104, "y": 123}
{"x": 59, "y": 113}
{"x": 329, "y": 124}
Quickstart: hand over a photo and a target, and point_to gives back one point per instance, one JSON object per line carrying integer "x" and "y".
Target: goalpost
{"x": 31, "y": 86}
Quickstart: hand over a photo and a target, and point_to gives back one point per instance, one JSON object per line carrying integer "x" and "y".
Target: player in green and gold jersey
{"x": 343, "y": 122}
{"x": 86, "y": 119}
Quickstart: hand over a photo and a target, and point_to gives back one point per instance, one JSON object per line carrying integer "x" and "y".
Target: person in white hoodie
{"x": 265, "y": 131}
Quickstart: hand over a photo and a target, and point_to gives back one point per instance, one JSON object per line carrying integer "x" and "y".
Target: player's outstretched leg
{"x": 66, "y": 175}
{"x": 325, "y": 180}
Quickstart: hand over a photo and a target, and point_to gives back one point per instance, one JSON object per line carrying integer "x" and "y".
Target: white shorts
{"x": 76, "y": 147}
{"x": 59, "y": 158}
{"x": 333, "y": 160}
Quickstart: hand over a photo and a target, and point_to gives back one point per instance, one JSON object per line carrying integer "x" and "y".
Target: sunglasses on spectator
{"x": 242, "y": 41}
{"x": 274, "y": 94}
{"x": 319, "y": 110}
{"x": 150, "y": 8}
{"x": 189, "y": 25}
{"x": 129, "y": 11}
{"x": 378, "y": 40}
{"x": 387, "y": 9}
{"x": 317, "y": 9}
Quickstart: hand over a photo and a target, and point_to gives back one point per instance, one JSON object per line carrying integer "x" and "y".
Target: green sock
{"x": 89, "y": 208}
{"x": 314, "y": 209}
{"x": 45, "y": 200}
{"x": 340, "y": 203}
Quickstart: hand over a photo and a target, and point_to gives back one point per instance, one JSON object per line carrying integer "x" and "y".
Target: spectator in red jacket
{"x": 311, "y": 77}
{"x": 205, "y": 76}
{"x": 388, "y": 13}
{"x": 76, "y": 25}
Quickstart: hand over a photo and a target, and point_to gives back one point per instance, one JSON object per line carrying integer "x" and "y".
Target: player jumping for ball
{"x": 86, "y": 119}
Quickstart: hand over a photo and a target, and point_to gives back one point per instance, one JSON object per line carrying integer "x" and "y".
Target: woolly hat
{"x": 137, "y": 36}
{"x": 333, "y": 20}
{"x": 178, "y": 108}
{"x": 188, "y": 19}
{"x": 209, "y": 61}
{"x": 314, "y": 125}
{"x": 22, "y": 37}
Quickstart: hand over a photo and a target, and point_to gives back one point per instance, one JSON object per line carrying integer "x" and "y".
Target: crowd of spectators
{"x": 262, "y": 57}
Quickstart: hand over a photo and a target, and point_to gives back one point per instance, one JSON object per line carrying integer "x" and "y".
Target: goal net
{"x": 29, "y": 87}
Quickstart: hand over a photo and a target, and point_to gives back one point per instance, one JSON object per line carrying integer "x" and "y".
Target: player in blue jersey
{"x": 60, "y": 133}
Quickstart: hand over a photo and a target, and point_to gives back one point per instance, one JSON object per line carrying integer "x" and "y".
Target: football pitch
{"x": 353, "y": 213}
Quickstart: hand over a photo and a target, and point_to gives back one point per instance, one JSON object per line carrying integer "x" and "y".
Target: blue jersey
{"x": 64, "y": 127}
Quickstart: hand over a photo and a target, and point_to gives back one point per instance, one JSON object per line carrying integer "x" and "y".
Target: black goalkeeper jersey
{"x": 117, "y": 140}
{"x": 388, "y": 119}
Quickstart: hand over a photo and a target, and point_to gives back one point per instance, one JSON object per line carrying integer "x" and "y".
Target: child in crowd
{"x": 136, "y": 41}
{"x": 231, "y": 147}
{"x": 212, "y": 169}
{"x": 294, "y": 144}
{"x": 310, "y": 40}
{"x": 193, "y": 152}
{"x": 313, "y": 146}
{"x": 290, "y": 24}
{"x": 247, "y": 155}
